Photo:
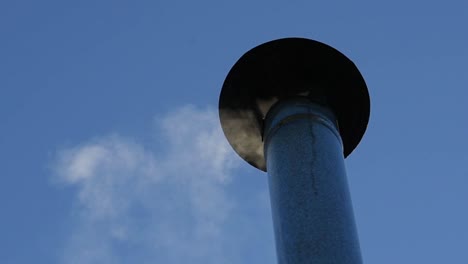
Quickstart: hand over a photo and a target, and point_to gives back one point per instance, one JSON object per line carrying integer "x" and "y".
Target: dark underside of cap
{"x": 286, "y": 68}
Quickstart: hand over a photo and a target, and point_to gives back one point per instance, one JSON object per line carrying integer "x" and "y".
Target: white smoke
{"x": 166, "y": 204}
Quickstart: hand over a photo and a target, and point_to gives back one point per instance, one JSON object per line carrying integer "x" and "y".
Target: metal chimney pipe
{"x": 296, "y": 108}
{"x": 311, "y": 206}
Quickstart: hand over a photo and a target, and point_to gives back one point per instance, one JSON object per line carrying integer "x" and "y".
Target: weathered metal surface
{"x": 286, "y": 68}
{"x": 311, "y": 205}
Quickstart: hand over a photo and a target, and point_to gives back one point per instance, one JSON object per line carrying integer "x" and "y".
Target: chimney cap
{"x": 286, "y": 68}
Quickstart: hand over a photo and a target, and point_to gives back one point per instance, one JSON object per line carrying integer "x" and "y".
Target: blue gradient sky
{"x": 111, "y": 152}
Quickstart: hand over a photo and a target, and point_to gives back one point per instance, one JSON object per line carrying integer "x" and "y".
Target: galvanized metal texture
{"x": 311, "y": 205}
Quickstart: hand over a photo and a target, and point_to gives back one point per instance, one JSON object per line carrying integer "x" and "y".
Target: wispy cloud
{"x": 165, "y": 204}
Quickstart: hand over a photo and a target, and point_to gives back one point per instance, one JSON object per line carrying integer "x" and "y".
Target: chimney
{"x": 295, "y": 108}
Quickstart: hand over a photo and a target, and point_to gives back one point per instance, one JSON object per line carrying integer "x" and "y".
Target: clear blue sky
{"x": 111, "y": 152}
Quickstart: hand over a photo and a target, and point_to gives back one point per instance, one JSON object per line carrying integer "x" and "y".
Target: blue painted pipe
{"x": 311, "y": 205}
